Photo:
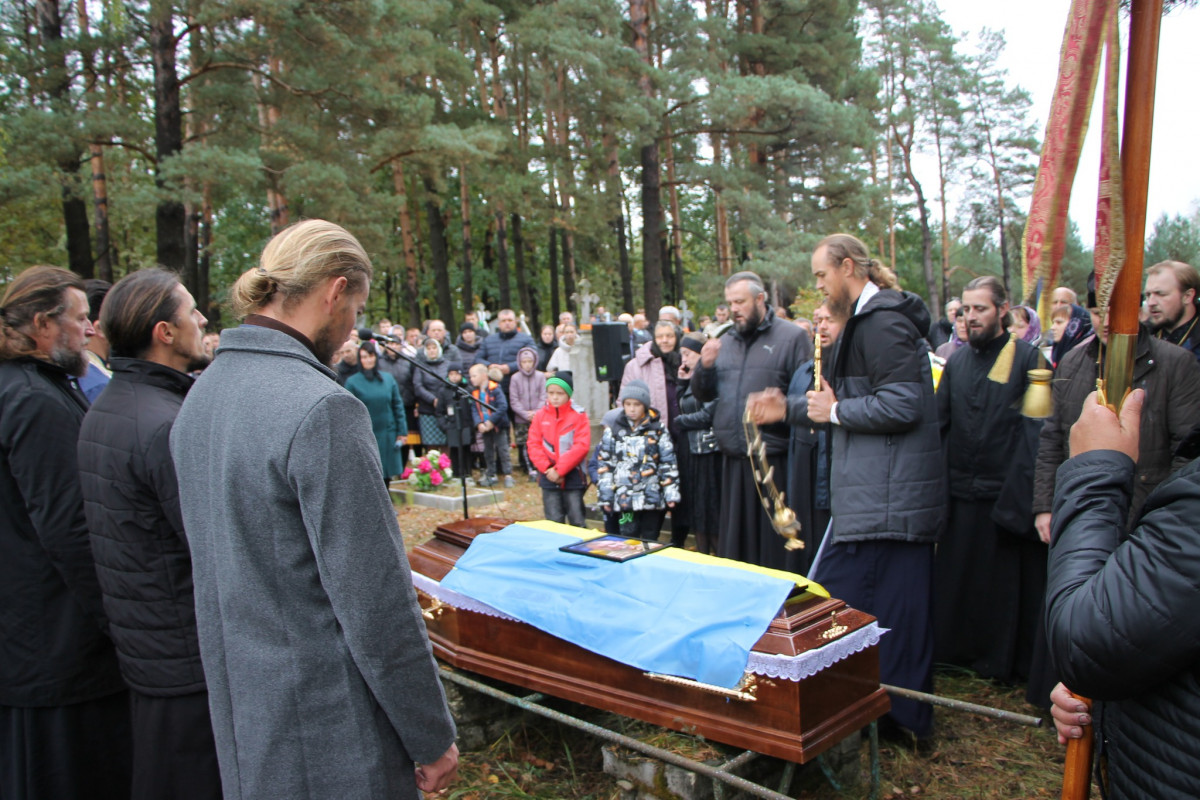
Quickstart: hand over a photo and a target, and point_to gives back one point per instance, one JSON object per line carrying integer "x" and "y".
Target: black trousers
{"x": 564, "y": 505}
{"x": 174, "y": 755}
{"x": 893, "y": 581}
{"x": 642, "y": 524}
{"x": 80, "y": 751}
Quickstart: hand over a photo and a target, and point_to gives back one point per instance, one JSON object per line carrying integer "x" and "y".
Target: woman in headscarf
{"x": 380, "y": 394}
{"x": 547, "y": 343}
{"x": 431, "y": 394}
{"x": 1078, "y": 328}
{"x": 1026, "y": 325}
{"x": 657, "y": 363}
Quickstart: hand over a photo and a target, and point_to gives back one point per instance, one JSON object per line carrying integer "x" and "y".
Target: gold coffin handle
{"x": 745, "y": 690}
{"x": 435, "y": 609}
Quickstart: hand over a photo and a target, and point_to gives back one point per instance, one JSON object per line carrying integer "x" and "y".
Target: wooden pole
{"x": 1145, "y": 19}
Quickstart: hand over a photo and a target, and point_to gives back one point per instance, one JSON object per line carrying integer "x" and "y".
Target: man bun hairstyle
{"x": 134, "y": 306}
{"x": 296, "y": 261}
{"x": 840, "y": 246}
{"x": 37, "y": 290}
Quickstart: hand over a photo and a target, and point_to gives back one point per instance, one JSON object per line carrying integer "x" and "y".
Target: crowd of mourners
{"x": 180, "y": 599}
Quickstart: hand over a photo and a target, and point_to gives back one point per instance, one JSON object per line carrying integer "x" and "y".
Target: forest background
{"x": 499, "y": 152}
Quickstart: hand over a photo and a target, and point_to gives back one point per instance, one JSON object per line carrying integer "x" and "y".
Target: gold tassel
{"x": 1002, "y": 369}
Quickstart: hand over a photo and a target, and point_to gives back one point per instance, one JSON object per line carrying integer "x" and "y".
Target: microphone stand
{"x": 460, "y": 392}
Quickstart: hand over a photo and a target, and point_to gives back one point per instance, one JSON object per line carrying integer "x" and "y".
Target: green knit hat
{"x": 563, "y": 380}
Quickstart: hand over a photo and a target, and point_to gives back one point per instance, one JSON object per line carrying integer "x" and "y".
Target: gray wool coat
{"x": 321, "y": 679}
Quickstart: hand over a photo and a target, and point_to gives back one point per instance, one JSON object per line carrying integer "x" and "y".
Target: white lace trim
{"x": 792, "y": 668}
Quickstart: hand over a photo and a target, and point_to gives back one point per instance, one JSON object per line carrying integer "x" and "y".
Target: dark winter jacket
{"x": 502, "y": 348}
{"x": 1172, "y": 382}
{"x": 131, "y": 497}
{"x": 888, "y": 475}
{"x": 637, "y": 465}
{"x": 560, "y": 437}
{"x": 695, "y": 420}
{"x": 428, "y": 388}
{"x": 1123, "y": 619}
{"x": 493, "y": 395}
{"x": 765, "y": 357}
{"x": 401, "y": 370}
{"x": 53, "y": 650}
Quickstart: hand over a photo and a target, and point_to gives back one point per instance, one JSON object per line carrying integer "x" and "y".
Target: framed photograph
{"x": 614, "y": 548}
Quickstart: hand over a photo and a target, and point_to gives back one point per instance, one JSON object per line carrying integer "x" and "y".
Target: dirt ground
{"x": 970, "y": 756}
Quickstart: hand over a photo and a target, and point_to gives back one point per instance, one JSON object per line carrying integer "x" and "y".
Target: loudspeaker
{"x": 607, "y": 338}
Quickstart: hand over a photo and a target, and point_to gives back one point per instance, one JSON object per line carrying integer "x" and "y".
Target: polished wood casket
{"x": 794, "y": 720}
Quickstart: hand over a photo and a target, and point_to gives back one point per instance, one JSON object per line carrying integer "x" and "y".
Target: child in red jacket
{"x": 559, "y": 439}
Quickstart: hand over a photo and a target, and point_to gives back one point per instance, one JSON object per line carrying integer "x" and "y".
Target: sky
{"x": 1033, "y": 31}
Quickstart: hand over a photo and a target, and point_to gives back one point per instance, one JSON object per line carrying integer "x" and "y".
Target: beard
{"x": 327, "y": 342}
{"x": 750, "y": 322}
{"x": 840, "y": 303}
{"x": 1168, "y": 324}
{"x": 73, "y": 362}
{"x": 980, "y": 337}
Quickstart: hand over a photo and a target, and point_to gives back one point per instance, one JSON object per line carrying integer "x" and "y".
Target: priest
{"x": 990, "y": 568}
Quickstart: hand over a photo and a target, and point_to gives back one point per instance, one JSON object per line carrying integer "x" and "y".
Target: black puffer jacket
{"x": 765, "y": 357}
{"x": 131, "y": 497}
{"x": 888, "y": 474}
{"x": 1123, "y": 619}
{"x": 53, "y": 650}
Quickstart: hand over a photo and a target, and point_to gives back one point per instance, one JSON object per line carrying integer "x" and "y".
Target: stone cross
{"x": 683, "y": 314}
{"x": 585, "y": 299}
{"x": 482, "y": 314}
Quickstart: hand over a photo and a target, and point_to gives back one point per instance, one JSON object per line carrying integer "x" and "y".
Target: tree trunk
{"x": 676, "y": 249}
{"x": 58, "y": 81}
{"x": 502, "y": 279}
{"x": 170, "y": 217}
{"x": 651, "y": 233}
{"x": 555, "y": 308}
{"x": 616, "y": 196}
{"x": 440, "y": 254}
{"x": 932, "y": 285}
{"x": 489, "y": 259}
{"x": 468, "y": 295}
{"x": 519, "y": 268}
{"x": 400, "y": 186}
{"x": 203, "y": 294}
{"x": 103, "y": 263}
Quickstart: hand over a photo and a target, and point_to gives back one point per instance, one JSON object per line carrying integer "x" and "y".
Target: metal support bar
{"x": 667, "y": 756}
{"x": 962, "y": 705}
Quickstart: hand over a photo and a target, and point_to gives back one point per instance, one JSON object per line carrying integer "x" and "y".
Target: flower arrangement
{"x": 427, "y": 472}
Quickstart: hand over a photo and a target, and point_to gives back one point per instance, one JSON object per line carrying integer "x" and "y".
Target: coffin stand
{"x": 792, "y": 720}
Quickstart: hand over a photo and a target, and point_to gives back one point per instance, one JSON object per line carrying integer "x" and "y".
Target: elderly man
{"x": 1062, "y": 297}
{"x": 131, "y": 496}
{"x": 320, "y": 676}
{"x": 499, "y": 349}
{"x": 64, "y": 710}
{"x": 1172, "y": 289}
{"x": 941, "y": 331}
{"x": 761, "y": 352}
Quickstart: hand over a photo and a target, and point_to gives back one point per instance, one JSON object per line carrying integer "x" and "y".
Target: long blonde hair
{"x": 840, "y": 246}
{"x": 298, "y": 260}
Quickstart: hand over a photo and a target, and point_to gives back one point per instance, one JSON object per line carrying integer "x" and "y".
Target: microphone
{"x": 366, "y": 334}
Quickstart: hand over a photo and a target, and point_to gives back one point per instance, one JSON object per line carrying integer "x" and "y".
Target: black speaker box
{"x": 607, "y": 339}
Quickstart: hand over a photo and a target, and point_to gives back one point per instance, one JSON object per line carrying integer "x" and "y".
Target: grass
{"x": 970, "y": 757}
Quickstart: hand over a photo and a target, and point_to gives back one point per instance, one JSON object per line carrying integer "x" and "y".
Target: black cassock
{"x": 990, "y": 568}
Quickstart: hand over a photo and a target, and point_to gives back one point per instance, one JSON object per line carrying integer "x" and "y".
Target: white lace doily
{"x": 792, "y": 668}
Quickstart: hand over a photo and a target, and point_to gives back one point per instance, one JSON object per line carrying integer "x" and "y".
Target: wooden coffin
{"x": 793, "y": 720}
